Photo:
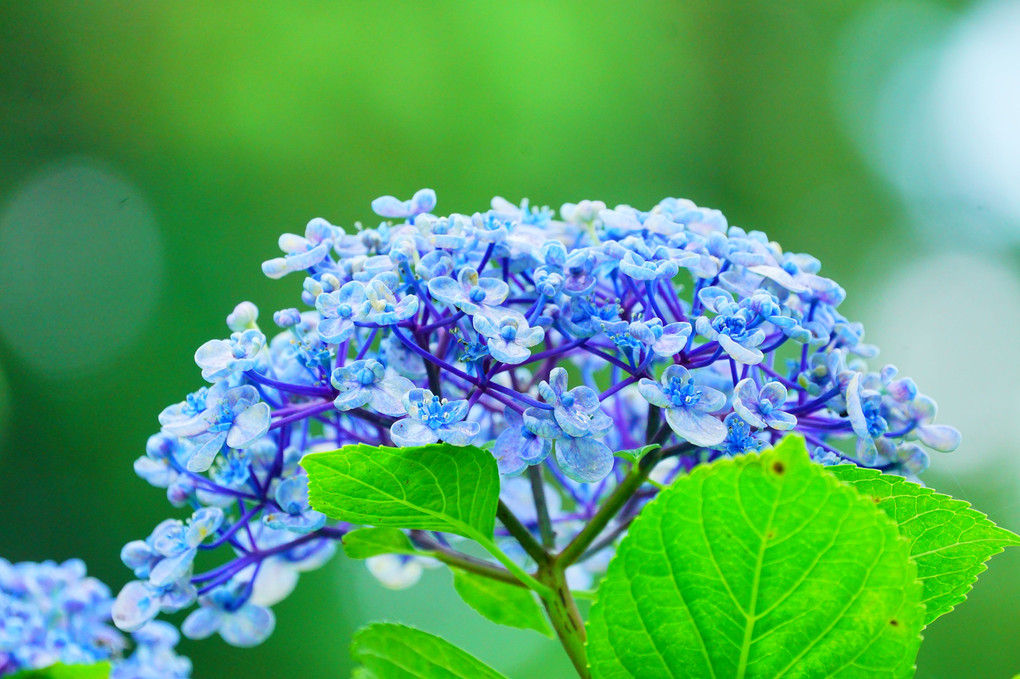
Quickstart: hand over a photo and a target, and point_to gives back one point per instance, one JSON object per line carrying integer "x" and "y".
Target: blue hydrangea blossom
{"x": 551, "y": 338}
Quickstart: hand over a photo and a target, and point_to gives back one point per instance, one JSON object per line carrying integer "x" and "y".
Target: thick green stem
{"x": 545, "y": 528}
{"x": 613, "y": 504}
{"x": 565, "y": 617}
{"x": 521, "y": 534}
{"x": 456, "y": 559}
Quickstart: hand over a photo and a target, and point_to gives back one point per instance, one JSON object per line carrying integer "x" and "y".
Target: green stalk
{"x": 613, "y": 504}
{"x": 565, "y": 618}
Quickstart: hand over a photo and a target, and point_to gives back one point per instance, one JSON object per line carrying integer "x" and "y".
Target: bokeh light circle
{"x": 949, "y": 321}
{"x": 83, "y": 264}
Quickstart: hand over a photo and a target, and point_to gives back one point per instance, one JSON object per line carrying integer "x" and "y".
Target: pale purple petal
{"x": 695, "y": 426}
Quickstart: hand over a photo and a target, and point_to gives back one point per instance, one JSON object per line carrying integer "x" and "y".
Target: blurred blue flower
{"x": 303, "y": 253}
{"x": 228, "y": 611}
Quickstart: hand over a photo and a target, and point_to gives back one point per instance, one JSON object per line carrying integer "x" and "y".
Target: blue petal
{"x": 507, "y": 352}
{"x": 541, "y": 422}
{"x": 939, "y": 437}
{"x": 355, "y": 398}
{"x": 695, "y": 426}
{"x": 134, "y": 606}
{"x": 740, "y": 353}
{"x": 459, "y": 433}
{"x": 408, "y": 432}
{"x": 584, "y": 459}
{"x": 447, "y": 290}
{"x": 248, "y": 626}
{"x": 292, "y": 494}
{"x": 202, "y": 623}
{"x": 653, "y": 393}
{"x": 249, "y": 425}
{"x": 203, "y": 456}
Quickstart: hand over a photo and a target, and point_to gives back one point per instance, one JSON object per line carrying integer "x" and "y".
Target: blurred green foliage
{"x": 233, "y": 122}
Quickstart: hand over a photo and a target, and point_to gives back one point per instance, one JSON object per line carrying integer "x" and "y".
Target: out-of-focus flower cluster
{"x": 53, "y": 613}
{"x": 552, "y": 340}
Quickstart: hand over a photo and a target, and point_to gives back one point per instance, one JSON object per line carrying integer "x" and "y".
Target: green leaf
{"x": 365, "y": 542}
{"x": 500, "y": 602}
{"x": 760, "y": 566}
{"x": 949, "y": 541}
{"x": 635, "y": 454}
{"x": 61, "y": 671}
{"x": 390, "y": 651}
{"x": 453, "y": 489}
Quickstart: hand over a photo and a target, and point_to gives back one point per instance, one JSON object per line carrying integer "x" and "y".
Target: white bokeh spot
{"x": 951, "y": 324}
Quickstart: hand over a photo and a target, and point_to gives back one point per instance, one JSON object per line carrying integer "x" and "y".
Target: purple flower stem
{"x": 366, "y": 345}
{"x": 618, "y": 386}
{"x": 229, "y": 533}
{"x": 464, "y": 376}
{"x": 302, "y": 414}
{"x": 284, "y": 386}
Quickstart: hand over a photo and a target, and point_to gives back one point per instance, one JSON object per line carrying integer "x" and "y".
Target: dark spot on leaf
{"x": 876, "y": 500}
{"x": 778, "y": 467}
{"x": 770, "y": 535}
{"x": 894, "y": 622}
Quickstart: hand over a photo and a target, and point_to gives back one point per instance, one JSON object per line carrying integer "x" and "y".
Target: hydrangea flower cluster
{"x": 53, "y": 613}
{"x": 552, "y": 340}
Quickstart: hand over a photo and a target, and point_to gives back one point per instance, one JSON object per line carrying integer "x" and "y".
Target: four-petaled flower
{"x": 473, "y": 295}
{"x": 364, "y": 383}
{"x": 220, "y": 359}
{"x": 339, "y": 310}
{"x": 575, "y": 424}
{"x": 296, "y": 514}
{"x": 229, "y": 611}
{"x": 508, "y": 338}
{"x": 216, "y": 416}
{"x": 381, "y": 305}
{"x": 517, "y": 447}
{"x": 762, "y": 407}
{"x": 734, "y": 326}
{"x": 687, "y": 406}
{"x": 433, "y": 419}
{"x": 175, "y": 543}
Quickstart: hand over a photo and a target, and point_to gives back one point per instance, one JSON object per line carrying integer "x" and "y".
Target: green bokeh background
{"x": 228, "y": 123}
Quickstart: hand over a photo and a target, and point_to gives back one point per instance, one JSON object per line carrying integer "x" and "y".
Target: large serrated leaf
{"x": 391, "y": 651}
{"x": 502, "y": 603}
{"x": 453, "y": 489}
{"x": 761, "y": 566}
{"x": 949, "y": 540}
{"x": 61, "y": 671}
